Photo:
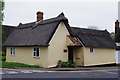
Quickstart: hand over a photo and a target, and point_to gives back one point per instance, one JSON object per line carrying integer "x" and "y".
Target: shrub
{"x": 68, "y": 64}
{"x": 59, "y": 64}
{"x": 2, "y": 53}
{"x": 3, "y": 58}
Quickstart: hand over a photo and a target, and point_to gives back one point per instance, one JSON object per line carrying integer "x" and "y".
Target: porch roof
{"x": 74, "y": 40}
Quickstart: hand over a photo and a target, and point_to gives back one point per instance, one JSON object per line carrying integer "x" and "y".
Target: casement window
{"x": 12, "y": 50}
{"x": 91, "y": 50}
{"x": 36, "y": 52}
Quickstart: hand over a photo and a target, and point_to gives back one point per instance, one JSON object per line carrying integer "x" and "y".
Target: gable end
{"x": 54, "y": 33}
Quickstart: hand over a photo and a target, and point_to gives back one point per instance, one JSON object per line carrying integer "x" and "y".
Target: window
{"x": 65, "y": 50}
{"x": 91, "y": 50}
{"x": 36, "y": 52}
{"x": 12, "y": 51}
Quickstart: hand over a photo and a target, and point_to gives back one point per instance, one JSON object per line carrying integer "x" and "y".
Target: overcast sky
{"x": 80, "y": 13}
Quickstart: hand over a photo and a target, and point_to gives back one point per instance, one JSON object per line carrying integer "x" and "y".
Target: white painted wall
{"x": 117, "y": 53}
{"x": 118, "y": 44}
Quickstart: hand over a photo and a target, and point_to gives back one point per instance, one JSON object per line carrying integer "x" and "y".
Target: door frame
{"x": 70, "y": 53}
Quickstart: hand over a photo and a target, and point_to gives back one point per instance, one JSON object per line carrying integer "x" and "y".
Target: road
{"x": 98, "y": 73}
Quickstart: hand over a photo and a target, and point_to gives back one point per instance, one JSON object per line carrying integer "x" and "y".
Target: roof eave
{"x": 102, "y": 47}
{"x": 24, "y": 45}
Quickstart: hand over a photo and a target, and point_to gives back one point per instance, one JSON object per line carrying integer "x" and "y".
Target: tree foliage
{"x": 1, "y": 10}
{"x": 1, "y": 19}
{"x": 112, "y": 34}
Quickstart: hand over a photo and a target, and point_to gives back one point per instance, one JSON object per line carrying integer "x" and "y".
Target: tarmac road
{"x": 34, "y": 73}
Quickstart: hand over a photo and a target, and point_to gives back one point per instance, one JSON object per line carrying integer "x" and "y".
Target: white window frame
{"x": 12, "y": 51}
{"x": 92, "y": 50}
{"x": 36, "y": 52}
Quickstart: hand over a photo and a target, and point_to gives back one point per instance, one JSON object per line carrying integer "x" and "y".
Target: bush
{"x": 2, "y": 58}
{"x": 68, "y": 64}
{"x": 2, "y": 53}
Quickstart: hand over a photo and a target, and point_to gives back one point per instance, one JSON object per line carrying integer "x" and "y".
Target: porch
{"x": 75, "y": 50}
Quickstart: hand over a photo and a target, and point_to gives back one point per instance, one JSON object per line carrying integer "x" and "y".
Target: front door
{"x": 70, "y": 53}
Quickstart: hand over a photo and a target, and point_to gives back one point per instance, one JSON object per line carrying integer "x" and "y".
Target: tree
{"x": 1, "y": 11}
{"x": 112, "y": 34}
{"x": 1, "y": 19}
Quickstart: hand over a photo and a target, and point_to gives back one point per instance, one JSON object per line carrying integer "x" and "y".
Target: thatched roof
{"x": 94, "y": 38}
{"x": 40, "y": 34}
{"x": 32, "y": 34}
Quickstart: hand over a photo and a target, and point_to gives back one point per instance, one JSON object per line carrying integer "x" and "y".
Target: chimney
{"x": 39, "y": 16}
{"x": 116, "y": 26}
{"x": 116, "y": 29}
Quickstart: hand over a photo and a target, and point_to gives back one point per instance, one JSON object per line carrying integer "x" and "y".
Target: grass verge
{"x": 14, "y": 64}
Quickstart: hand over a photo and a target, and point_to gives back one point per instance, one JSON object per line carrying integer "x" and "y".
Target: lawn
{"x": 15, "y": 64}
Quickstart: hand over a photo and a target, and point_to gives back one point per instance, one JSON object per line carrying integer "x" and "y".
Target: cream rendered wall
{"x": 25, "y": 55}
{"x": 100, "y": 56}
{"x": 57, "y": 46}
{"x": 78, "y": 56}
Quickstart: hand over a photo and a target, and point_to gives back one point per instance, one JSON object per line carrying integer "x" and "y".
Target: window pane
{"x": 33, "y": 49}
{"x": 11, "y": 51}
{"x": 91, "y": 49}
{"x": 34, "y": 53}
{"x": 37, "y": 51}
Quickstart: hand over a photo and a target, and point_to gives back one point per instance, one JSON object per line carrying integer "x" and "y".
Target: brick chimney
{"x": 39, "y": 16}
{"x": 116, "y": 30}
{"x": 116, "y": 26}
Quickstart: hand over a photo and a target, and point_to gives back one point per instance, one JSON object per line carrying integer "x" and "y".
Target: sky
{"x": 80, "y": 13}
